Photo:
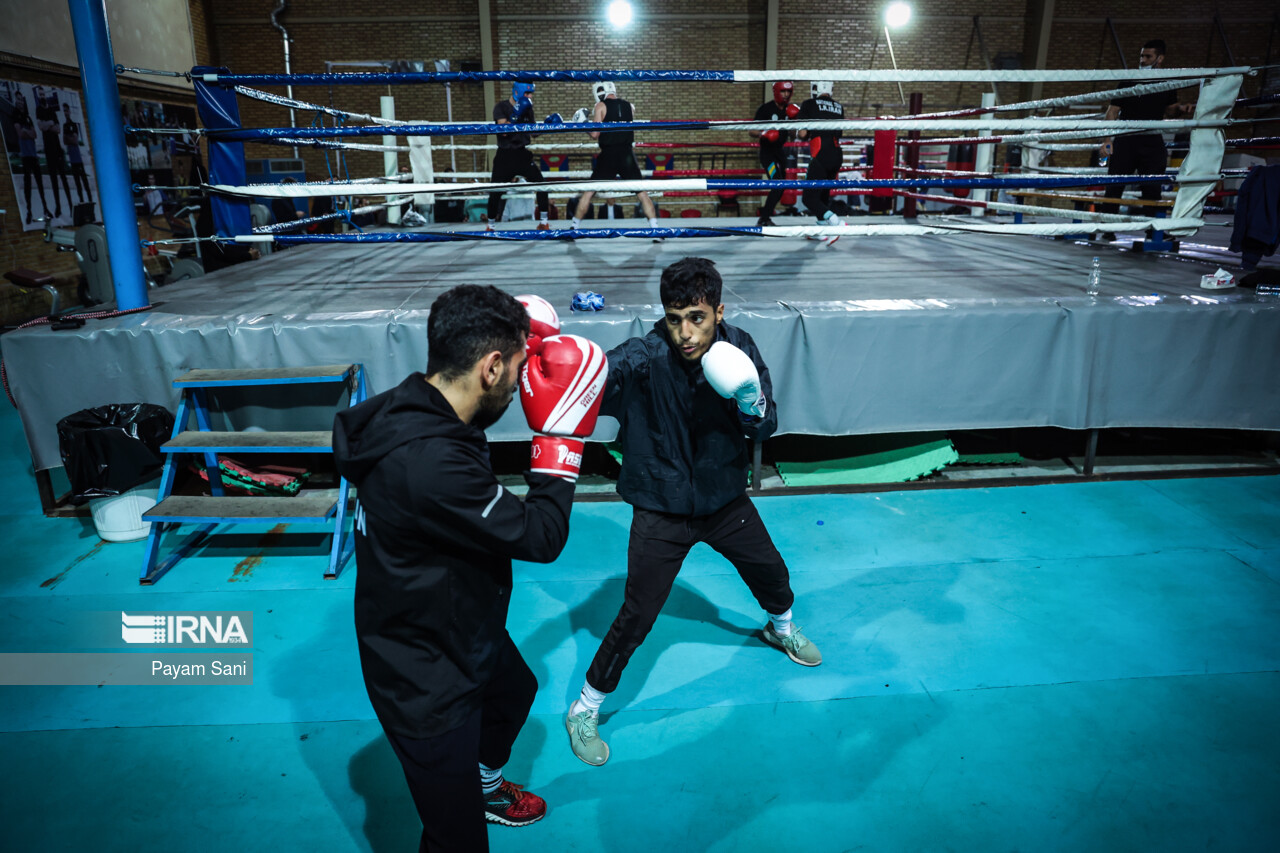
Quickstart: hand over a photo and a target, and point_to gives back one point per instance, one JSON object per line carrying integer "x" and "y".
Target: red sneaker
{"x": 511, "y": 805}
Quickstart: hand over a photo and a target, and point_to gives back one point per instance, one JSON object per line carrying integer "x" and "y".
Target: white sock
{"x": 830, "y": 218}
{"x": 590, "y": 700}
{"x": 490, "y": 780}
{"x": 653, "y": 223}
{"x": 781, "y": 623}
{"x": 576, "y": 222}
{"x": 544, "y": 216}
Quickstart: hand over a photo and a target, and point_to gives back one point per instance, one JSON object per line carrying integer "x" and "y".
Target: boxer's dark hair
{"x": 1155, "y": 44}
{"x": 470, "y": 321}
{"x": 689, "y": 281}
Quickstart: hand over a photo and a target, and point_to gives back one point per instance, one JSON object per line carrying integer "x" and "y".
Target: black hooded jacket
{"x": 435, "y": 535}
{"x": 685, "y": 449}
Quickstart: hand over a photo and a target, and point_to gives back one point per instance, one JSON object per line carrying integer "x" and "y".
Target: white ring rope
{"x": 1071, "y": 100}
{"x": 969, "y": 75}
{"x": 1058, "y": 212}
{"x": 1069, "y": 146}
{"x": 367, "y": 187}
{"x": 942, "y": 225}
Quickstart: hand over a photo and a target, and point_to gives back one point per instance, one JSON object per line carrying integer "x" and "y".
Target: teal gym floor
{"x": 1090, "y": 666}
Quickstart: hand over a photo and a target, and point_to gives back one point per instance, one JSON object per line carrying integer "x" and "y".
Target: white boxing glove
{"x": 733, "y": 375}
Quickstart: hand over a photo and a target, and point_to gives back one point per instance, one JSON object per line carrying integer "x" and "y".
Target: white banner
{"x": 47, "y": 142}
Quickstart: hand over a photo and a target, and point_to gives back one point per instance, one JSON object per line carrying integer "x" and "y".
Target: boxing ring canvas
{"x": 872, "y": 335}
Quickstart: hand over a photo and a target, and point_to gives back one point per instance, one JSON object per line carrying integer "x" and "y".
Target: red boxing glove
{"x": 543, "y": 321}
{"x": 560, "y": 390}
{"x": 793, "y": 111}
{"x": 770, "y": 135}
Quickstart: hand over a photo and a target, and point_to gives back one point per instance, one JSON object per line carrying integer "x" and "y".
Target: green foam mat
{"x": 990, "y": 459}
{"x": 896, "y": 465}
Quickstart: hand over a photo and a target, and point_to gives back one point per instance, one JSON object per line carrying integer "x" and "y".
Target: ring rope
{"x": 306, "y": 190}
{"x": 1063, "y": 101}
{"x": 944, "y": 225}
{"x": 855, "y": 76}
{"x": 868, "y": 125}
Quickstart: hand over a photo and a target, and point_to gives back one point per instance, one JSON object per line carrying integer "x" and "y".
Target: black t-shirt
{"x": 822, "y": 109}
{"x": 503, "y": 110}
{"x": 284, "y": 210}
{"x": 1149, "y": 107}
{"x": 616, "y": 109}
{"x": 772, "y": 112}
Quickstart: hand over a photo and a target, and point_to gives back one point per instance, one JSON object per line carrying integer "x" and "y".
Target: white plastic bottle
{"x": 1095, "y": 278}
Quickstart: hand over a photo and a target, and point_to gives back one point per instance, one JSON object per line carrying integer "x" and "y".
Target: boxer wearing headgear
{"x": 824, "y": 149}
{"x": 604, "y": 89}
{"x": 520, "y": 93}
{"x": 616, "y": 159}
{"x": 773, "y": 151}
{"x": 513, "y": 157}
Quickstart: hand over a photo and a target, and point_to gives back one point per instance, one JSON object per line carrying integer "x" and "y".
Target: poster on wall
{"x": 47, "y": 145}
{"x": 168, "y": 159}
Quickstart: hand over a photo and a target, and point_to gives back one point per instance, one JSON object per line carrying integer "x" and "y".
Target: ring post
{"x": 390, "y": 159}
{"x": 115, "y": 189}
{"x": 985, "y": 158}
{"x": 218, "y": 110}
{"x": 915, "y": 107}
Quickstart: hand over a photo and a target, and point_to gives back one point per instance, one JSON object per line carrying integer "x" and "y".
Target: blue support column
{"x": 111, "y": 163}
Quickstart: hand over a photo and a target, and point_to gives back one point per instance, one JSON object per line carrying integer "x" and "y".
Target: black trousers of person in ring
{"x": 443, "y": 771}
{"x": 775, "y": 169}
{"x": 1143, "y": 154}
{"x": 508, "y": 163}
{"x": 657, "y": 548}
{"x": 823, "y": 167}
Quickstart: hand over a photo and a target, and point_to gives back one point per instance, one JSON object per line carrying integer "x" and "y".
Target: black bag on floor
{"x": 109, "y": 450}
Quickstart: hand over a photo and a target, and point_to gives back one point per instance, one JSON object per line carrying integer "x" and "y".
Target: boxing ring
{"x": 933, "y": 323}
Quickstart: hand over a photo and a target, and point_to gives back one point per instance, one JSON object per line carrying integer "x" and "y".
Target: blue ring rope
{"x": 380, "y": 78}
{"x": 515, "y": 236}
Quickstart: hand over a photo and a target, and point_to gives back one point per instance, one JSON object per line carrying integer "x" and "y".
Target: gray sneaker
{"x": 795, "y": 644}
{"x": 584, "y": 737}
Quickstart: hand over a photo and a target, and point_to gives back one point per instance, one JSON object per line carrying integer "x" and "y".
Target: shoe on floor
{"x": 1107, "y": 237}
{"x": 796, "y": 645}
{"x": 544, "y": 226}
{"x": 511, "y": 805}
{"x": 584, "y": 737}
{"x": 765, "y": 222}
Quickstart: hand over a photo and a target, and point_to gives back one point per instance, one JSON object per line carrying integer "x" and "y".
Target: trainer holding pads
{"x": 435, "y": 534}
{"x": 689, "y": 396}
